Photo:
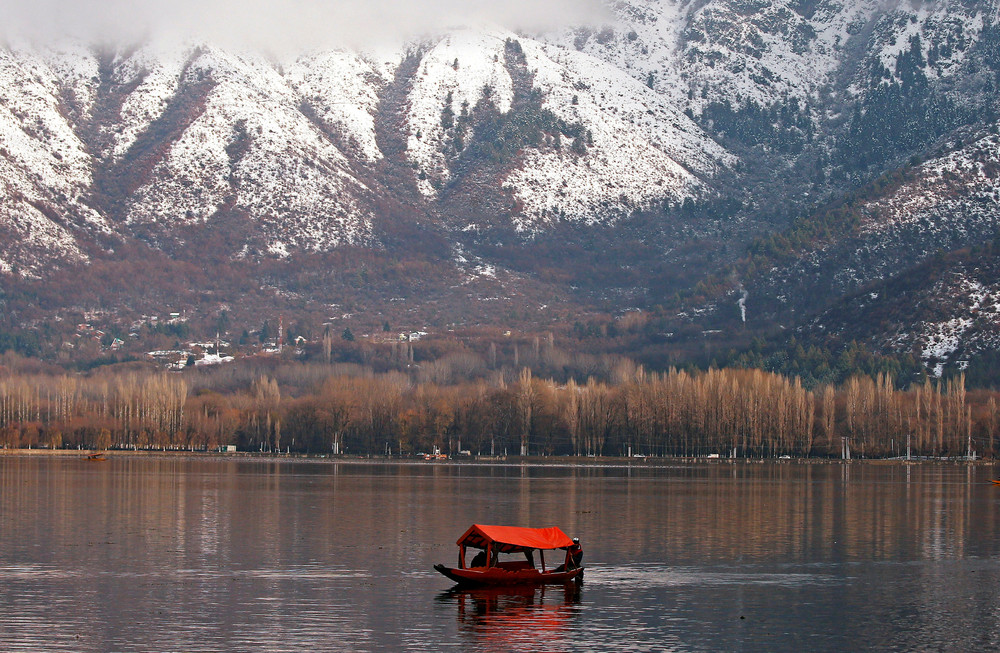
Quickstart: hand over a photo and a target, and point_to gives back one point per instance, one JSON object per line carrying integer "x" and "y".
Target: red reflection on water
{"x": 498, "y": 617}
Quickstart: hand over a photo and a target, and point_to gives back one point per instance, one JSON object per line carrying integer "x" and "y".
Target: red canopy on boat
{"x": 515, "y": 538}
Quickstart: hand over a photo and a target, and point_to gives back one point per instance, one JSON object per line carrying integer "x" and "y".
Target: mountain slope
{"x": 46, "y": 171}
{"x": 833, "y": 146}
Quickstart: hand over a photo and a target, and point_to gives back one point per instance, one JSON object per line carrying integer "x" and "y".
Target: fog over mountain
{"x": 280, "y": 25}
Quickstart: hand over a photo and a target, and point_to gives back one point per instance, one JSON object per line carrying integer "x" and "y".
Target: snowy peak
{"x": 46, "y": 172}
{"x": 639, "y": 147}
{"x": 166, "y": 137}
{"x": 240, "y": 136}
{"x": 741, "y": 50}
{"x": 454, "y": 76}
{"x": 570, "y": 132}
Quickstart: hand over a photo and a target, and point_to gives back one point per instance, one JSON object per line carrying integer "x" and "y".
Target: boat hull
{"x": 496, "y": 577}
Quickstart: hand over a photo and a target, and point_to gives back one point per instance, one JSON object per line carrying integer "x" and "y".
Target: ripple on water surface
{"x": 205, "y": 556}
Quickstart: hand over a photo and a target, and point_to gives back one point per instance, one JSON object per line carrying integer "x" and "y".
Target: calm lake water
{"x": 161, "y": 554}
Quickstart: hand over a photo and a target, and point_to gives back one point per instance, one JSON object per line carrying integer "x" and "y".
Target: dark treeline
{"x": 621, "y": 409}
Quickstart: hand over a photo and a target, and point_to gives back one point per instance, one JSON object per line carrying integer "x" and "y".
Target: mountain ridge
{"x": 669, "y": 138}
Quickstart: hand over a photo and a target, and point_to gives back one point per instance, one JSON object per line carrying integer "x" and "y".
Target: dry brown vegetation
{"x": 464, "y": 403}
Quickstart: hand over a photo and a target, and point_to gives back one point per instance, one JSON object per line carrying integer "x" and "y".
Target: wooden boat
{"x": 96, "y": 457}
{"x": 996, "y": 481}
{"x": 487, "y": 567}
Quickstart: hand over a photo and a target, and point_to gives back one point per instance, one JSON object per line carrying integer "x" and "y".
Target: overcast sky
{"x": 279, "y": 24}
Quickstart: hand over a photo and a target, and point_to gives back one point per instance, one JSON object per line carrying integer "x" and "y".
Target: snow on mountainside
{"x": 966, "y": 332}
{"x": 738, "y": 50}
{"x": 639, "y": 148}
{"x": 643, "y": 148}
{"x": 945, "y": 31}
{"x": 944, "y": 313}
{"x": 147, "y": 140}
{"x": 246, "y": 139}
{"x": 762, "y": 51}
{"x": 153, "y": 74}
{"x": 947, "y": 202}
{"x": 457, "y": 70}
{"x": 45, "y": 169}
{"x": 904, "y": 292}
{"x": 76, "y": 68}
{"x": 958, "y": 191}
{"x": 342, "y": 89}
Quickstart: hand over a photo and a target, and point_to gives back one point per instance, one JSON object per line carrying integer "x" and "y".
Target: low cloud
{"x": 281, "y": 24}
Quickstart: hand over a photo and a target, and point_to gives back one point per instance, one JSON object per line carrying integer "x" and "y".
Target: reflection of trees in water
{"x": 540, "y": 616}
{"x": 860, "y": 511}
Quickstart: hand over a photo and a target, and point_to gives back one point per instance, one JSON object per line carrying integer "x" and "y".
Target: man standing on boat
{"x": 575, "y": 553}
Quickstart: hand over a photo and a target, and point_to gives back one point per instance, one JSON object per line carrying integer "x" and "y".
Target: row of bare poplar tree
{"x": 351, "y": 409}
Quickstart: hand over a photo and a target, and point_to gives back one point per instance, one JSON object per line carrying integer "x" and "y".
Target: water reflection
{"x": 539, "y": 618}
{"x": 204, "y": 555}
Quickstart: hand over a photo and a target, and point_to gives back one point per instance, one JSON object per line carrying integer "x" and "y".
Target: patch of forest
{"x": 462, "y": 402}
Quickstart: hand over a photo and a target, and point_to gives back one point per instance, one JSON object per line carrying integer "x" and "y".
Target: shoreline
{"x": 550, "y": 461}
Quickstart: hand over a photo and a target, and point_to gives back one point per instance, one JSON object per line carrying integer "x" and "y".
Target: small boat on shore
{"x": 96, "y": 457}
{"x": 488, "y": 568}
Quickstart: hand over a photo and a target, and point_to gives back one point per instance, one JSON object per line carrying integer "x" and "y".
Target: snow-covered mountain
{"x": 623, "y": 117}
{"x": 713, "y": 121}
{"x": 145, "y": 140}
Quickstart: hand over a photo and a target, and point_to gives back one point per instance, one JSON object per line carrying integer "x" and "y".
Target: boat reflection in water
{"x": 537, "y": 617}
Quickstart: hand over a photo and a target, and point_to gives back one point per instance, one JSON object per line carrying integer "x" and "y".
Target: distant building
{"x": 213, "y": 359}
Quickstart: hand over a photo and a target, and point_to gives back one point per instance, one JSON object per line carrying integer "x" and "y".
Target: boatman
{"x": 575, "y": 553}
